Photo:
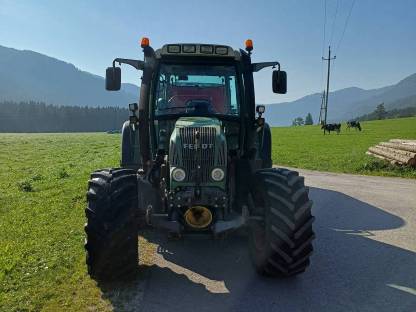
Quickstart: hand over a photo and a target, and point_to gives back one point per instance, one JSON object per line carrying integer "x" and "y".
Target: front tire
{"x": 280, "y": 231}
{"x": 111, "y": 229}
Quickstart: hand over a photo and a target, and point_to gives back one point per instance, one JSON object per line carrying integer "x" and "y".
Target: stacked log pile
{"x": 397, "y": 151}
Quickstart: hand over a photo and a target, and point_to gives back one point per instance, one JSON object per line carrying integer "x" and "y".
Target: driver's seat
{"x": 199, "y": 107}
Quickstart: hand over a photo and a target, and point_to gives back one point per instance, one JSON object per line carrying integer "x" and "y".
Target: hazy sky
{"x": 379, "y": 45}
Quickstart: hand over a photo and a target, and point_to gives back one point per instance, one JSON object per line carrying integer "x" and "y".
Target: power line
{"x": 333, "y": 23}
{"x": 323, "y": 41}
{"x": 323, "y": 46}
{"x": 345, "y": 26}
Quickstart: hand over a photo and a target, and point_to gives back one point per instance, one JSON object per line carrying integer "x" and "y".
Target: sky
{"x": 378, "y": 47}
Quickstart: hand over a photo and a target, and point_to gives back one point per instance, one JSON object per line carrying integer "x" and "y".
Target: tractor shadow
{"x": 349, "y": 269}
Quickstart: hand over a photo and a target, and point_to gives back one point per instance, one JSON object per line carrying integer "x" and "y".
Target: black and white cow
{"x": 353, "y": 124}
{"x": 331, "y": 127}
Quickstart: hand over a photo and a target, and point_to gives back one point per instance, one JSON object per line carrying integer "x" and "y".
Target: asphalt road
{"x": 364, "y": 259}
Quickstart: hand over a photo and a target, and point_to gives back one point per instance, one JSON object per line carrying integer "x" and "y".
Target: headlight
{"x": 217, "y": 174}
{"x": 178, "y": 174}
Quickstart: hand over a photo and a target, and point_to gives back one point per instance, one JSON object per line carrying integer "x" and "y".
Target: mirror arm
{"x": 259, "y": 66}
{"x": 139, "y": 65}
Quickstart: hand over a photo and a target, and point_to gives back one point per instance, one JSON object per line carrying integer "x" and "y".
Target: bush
{"x": 25, "y": 186}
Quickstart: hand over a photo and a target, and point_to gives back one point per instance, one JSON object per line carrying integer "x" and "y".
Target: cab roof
{"x": 197, "y": 50}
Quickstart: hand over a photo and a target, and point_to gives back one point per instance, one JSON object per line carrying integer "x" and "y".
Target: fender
{"x": 130, "y": 148}
{"x": 266, "y": 147}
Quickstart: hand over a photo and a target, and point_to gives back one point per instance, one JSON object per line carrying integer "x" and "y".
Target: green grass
{"x": 307, "y": 147}
{"x": 42, "y": 199}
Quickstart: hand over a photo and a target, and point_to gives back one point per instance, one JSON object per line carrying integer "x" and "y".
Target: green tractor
{"x": 196, "y": 160}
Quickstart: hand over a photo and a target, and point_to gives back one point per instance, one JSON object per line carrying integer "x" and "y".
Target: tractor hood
{"x": 198, "y": 122}
{"x": 198, "y": 146}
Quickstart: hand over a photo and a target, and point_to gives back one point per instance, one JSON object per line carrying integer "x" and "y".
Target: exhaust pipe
{"x": 198, "y": 217}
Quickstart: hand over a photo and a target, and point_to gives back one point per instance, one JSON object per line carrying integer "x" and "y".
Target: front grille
{"x": 196, "y": 151}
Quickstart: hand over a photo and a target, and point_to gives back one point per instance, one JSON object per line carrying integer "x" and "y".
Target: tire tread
{"x": 111, "y": 232}
{"x": 287, "y": 229}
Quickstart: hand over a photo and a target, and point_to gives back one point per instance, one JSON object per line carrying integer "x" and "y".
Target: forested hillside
{"x": 40, "y": 117}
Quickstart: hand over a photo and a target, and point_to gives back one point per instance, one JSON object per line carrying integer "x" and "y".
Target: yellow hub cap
{"x": 198, "y": 217}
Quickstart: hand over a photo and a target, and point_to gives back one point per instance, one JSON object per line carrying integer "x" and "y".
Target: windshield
{"x": 196, "y": 90}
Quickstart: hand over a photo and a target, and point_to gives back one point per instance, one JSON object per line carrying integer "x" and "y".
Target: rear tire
{"x": 111, "y": 228}
{"x": 281, "y": 243}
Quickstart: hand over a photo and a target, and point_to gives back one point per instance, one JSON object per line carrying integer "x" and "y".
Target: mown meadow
{"x": 307, "y": 147}
{"x": 42, "y": 199}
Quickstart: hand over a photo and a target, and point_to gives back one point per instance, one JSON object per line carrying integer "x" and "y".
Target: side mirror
{"x": 113, "y": 78}
{"x": 279, "y": 82}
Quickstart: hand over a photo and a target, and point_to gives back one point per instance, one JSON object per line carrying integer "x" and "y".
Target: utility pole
{"x": 329, "y": 59}
{"x": 322, "y": 111}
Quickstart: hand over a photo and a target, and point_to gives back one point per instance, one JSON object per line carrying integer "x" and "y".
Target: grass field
{"x": 307, "y": 147}
{"x": 42, "y": 199}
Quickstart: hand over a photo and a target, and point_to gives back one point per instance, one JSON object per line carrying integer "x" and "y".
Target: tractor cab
{"x": 193, "y": 80}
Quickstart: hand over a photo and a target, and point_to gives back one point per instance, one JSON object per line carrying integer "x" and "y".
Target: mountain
{"x": 31, "y": 76}
{"x": 409, "y": 101}
{"x": 344, "y": 104}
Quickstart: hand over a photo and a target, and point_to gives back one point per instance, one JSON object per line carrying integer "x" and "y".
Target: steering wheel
{"x": 162, "y": 104}
{"x": 199, "y": 106}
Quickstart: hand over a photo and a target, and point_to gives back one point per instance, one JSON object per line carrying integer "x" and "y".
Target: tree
{"x": 380, "y": 111}
{"x": 308, "y": 119}
{"x": 40, "y": 117}
{"x": 298, "y": 121}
